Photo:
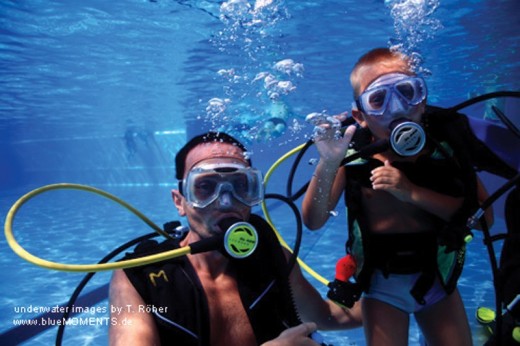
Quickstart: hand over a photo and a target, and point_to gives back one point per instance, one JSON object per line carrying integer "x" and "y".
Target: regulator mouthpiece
{"x": 240, "y": 238}
{"x": 407, "y": 138}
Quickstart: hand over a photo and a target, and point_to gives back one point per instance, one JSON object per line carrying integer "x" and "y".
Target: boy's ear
{"x": 358, "y": 117}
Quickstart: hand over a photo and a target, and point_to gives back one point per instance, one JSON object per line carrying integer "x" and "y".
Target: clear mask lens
{"x": 205, "y": 184}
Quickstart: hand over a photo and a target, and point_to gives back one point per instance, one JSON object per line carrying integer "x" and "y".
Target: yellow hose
{"x": 20, "y": 251}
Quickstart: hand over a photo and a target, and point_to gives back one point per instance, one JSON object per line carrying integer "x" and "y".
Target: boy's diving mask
{"x": 205, "y": 183}
{"x": 408, "y": 90}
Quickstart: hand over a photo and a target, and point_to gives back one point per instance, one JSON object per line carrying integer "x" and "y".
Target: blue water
{"x": 104, "y": 94}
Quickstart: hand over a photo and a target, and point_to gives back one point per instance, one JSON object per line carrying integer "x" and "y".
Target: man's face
{"x": 204, "y": 221}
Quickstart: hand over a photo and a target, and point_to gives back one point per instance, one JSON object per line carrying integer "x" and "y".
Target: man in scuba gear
{"x": 209, "y": 298}
{"x": 402, "y": 206}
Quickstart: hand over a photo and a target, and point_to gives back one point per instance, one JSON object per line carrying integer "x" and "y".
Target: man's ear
{"x": 178, "y": 199}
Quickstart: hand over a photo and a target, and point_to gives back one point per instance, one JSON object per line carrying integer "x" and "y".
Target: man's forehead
{"x": 219, "y": 149}
{"x": 213, "y": 151}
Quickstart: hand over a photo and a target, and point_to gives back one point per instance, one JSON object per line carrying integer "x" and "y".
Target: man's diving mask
{"x": 204, "y": 184}
{"x": 409, "y": 91}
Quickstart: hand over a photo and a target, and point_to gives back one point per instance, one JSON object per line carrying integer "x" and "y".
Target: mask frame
{"x": 205, "y": 183}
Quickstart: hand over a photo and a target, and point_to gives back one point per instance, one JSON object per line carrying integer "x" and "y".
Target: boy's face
{"x": 380, "y": 75}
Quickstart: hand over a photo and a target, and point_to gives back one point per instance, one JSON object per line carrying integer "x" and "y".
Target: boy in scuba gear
{"x": 209, "y": 298}
{"x": 406, "y": 206}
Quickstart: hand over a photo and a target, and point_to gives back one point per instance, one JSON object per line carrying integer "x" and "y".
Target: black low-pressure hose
{"x": 509, "y": 124}
{"x": 292, "y": 173}
{"x": 484, "y": 97}
{"x": 473, "y": 220}
{"x": 86, "y": 279}
{"x": 299, "y": 227}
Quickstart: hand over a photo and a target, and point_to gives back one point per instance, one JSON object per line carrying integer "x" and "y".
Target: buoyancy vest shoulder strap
{"x": 173, "y": 286}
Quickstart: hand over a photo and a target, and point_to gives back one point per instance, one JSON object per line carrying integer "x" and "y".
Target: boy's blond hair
{"x": 383, "y": 56}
